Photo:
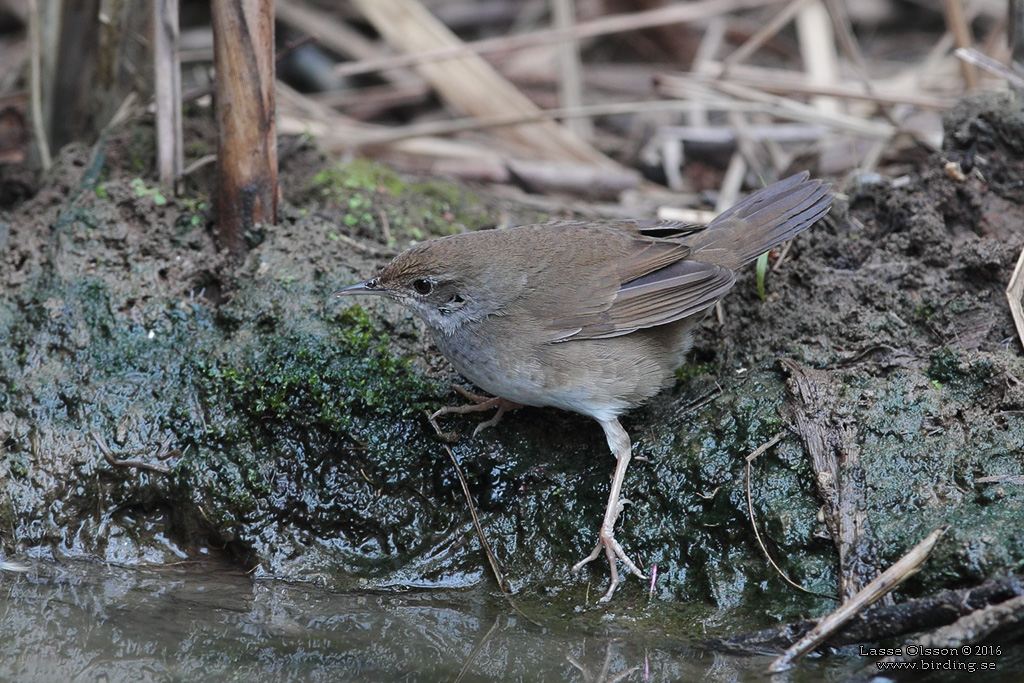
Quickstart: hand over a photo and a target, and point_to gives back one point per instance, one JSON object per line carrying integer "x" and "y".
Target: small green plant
{"x": 142, "y": 190}
{"x": 192, "y": 216}
{"x": 762, "y": 269}
{"x": 359, "y": 174}
{"x": 685, "y": 373}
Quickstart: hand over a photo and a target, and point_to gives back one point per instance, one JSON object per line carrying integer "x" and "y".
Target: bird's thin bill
{"x": 369, "y": 287}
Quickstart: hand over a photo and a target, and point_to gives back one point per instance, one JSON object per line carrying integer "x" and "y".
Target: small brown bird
{"x": 588, "y": 316}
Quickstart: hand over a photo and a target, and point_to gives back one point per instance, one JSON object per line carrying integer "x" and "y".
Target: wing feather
{"x": 671, "y": 293}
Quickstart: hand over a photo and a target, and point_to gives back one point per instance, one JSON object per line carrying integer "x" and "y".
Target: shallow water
{"x": 88, "y": 622}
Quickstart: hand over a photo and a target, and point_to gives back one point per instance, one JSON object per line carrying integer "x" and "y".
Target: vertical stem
{"x": 1016, "y": 39}
{"x": 35, "y": 85}
{"x": 167, "y": 77}
{"x": 243, "y": 46}
{"x": 960, "y": 27}
{"x": 570, "y": 86}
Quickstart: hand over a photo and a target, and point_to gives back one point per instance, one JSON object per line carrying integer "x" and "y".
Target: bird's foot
{"x": 478, "y": 403}
{"x": 613, "y": 551}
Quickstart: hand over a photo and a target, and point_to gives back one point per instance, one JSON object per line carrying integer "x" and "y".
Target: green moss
{"x": 444, "y": 212}
{"x": 688, "y": 371}
{"x": 142, "y": 190}
{"x": 923, "y": 313}
{"x": 375, "y": 200}
{"x": 360, "y": 174}
{"x": 963, "y": 371}
{"x": 281, "y": 409}
{"x": 18, "y": 463}
{"x": 944, "y": 365}
{"x": 310, "y": 382}
{"x": 193, "y": 214}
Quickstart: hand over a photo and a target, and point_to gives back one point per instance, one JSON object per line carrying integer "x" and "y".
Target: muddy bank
{"x": 292, "y": 431}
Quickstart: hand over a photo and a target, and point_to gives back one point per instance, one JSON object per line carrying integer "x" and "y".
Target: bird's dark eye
{"x": 422, "y": 286}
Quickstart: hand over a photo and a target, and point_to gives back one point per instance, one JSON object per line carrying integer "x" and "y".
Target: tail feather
{"x": 762, "y": 221}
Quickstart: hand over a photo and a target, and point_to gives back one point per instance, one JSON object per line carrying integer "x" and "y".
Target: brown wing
{"x": 650, "y": 284}
{"x": 604, "y": 256}
{"x": 672, "y": 293}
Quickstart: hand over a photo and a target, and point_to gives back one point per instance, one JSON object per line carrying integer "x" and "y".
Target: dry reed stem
{"x": 763, "y": 35}
{"x": 337, "y": 36}
{"x": 570, "y": 84}
{"x": 956, "y": 21}
{"x": 787, "y": 82}
{"x": 616, "y": 23}
{"x": 35, "y": 85}
{"x": 818, "y": 50}
{"x": 988, "y": 64}
{"x": 470, "y": 84}
{"x": 1014, "y": 294}
{"x": 167, "y": 86}
{"x": 687, "y": 86}
{"x": 882, "y": 585}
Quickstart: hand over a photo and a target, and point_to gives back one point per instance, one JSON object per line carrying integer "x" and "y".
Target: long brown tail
{"x": 762, "y": 221}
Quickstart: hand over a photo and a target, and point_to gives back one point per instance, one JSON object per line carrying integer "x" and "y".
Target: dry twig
{"x": 472, "y": 85}
{"x": 992, "y": 66}
{"x": 1014, "y": 294}
{"x": 491, "y": 557}
{"x": 907, "y": 566}
{"x": 161, "y": 454}
{"x": 956, "y": 20}
{"x": 753, "y": 521}
{"x": 167, "y": 86}
{"x": 616, "y": 23}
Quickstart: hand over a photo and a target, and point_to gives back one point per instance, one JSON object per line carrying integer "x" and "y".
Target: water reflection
{"x": 100, "y": 623}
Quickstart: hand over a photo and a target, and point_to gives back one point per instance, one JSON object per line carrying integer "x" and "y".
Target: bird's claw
{"x": 613, "y": 551}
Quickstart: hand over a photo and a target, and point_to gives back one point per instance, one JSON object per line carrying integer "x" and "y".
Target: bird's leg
{"x": 478, "y": 403}
{"x": 618, "y": 441}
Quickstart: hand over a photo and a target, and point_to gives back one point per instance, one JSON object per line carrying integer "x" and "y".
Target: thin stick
{"x": 570, "y": 85}
{"x": 818, "y": 50}
{"x": 491, "y": 557}
{"x": 753, "y": 521}
{"x": 956, "y": 20}
{"x": 710, "y": 44}
{"x": 905, "y": 567}
{"x": 476, "y": 650}
{"x": 988, "y": 64}
{"x": 786, "y": 82}
{"x": 785, "y": 107}
{"x": 1001, "y": 479}
{"x": 848, "y": 41}
{"x": 35, "y": 85}
{"x": 482, "y": 123}
{"x": 167, "y": 87}
{"x": 137, "y": 464}
{"x": 763, "y": 35}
